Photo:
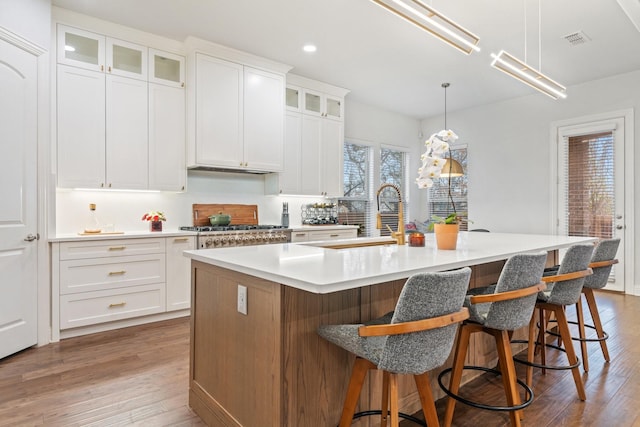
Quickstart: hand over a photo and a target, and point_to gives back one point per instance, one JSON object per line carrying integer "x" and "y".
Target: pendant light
{"x": 451, "y": 167}
{"x": 430, "y": 20}
{"x": 528, "y": 75}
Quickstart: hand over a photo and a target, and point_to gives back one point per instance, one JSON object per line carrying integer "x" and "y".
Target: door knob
{"x": 619, "y": 227}
{"x": 31, "y": 238}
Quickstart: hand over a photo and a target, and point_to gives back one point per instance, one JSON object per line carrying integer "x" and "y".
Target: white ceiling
{"x": 388, "y": 63}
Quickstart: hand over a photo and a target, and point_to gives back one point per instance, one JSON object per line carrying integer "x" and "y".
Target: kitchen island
{"x": 268, "y": 367}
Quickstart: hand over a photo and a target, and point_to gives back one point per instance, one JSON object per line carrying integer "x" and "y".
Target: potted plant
{"x": 155, "y": 218}
{"x": 433, "y": 162}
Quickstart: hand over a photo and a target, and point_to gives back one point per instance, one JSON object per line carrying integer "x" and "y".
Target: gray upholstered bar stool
{"x": 563, "y": 289}
{"x": 418, "y": 338}
{"x": 602, "y": 262}
{"x": 498, "y": 310}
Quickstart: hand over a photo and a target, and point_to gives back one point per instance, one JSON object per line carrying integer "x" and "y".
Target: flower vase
{"x": 156, "y": 225}
{"x": 446, "y": 235}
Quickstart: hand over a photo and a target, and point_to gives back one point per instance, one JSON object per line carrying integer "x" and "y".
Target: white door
{"x": 18, "y": 210}
{"x": 591, "y": 185}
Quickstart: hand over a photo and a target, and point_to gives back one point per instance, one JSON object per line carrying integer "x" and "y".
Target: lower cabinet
{"x": 95, "y": 282}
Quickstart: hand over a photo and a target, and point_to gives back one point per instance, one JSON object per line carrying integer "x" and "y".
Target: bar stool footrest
{"x": 528, "y": 390}
{"x": 604, "y": 333}
{"x": 379, "y": 412}
{"x": 540, "y": 365}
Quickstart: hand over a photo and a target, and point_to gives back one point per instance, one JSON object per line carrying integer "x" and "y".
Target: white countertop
{"x": 320, "y": 270}
{"x": 125, "y": 235}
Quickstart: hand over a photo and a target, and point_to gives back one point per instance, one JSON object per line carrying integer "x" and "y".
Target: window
{"x": 591, "y": 192}
{"x": 393, "y": 170}
{"x": 440, "y": 202}
{"x": 355, "y": 207}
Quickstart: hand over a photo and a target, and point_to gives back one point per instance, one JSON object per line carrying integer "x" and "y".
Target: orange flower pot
{"x": 446, "y": 235}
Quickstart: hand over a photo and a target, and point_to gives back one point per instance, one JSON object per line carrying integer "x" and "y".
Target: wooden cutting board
{"x": 240, "y": 214}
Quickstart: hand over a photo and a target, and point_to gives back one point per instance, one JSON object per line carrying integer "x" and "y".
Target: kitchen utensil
{"x": 220, "y": 219}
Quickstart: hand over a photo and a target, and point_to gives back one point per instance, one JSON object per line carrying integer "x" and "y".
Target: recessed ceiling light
{"x": 309, "y": 48}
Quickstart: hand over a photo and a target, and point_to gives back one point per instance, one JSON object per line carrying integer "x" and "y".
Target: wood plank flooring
{"x": 139, "y": 377}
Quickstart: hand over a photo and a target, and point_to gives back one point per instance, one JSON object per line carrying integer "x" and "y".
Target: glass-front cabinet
{"x": 323, "y": 105}
{"x": 81, "y": 48}
{"x": 166, "y": 68}
{"x": 126, "y": 59}
{"x": 292, "y": 98}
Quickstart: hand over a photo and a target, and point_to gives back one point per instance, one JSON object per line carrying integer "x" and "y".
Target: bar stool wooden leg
{"x": 393, "y": 391}
{"x": 582, "y": 335}
{"x": 426, "y": 399}
{"x": 563, "y": 327}
{"x": 456, "y": 373}
{"x": 508, "y": 373}
{"x": 360, "y": 368}
{"x": 531, "y": 349}
{"x": 593, "y": 309}
{"x": 384, "y": 407}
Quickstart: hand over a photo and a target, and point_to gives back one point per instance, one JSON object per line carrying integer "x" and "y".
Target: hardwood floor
{"x": 128, "y": 377}
{"x": 139, "y": 377}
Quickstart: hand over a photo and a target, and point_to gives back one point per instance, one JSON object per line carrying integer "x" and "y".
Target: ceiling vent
{"x": 577, "y": 38}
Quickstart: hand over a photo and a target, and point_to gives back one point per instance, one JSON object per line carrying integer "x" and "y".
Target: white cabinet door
{"x": 289, "y": 178}
{"x": 219, "y": 124}
{"x": 166, "y": 68}
{"x": 18, "y": 191}
{"x": 311, "y": 156}
{"x": 332, "y": 157}
{"x": 126, "y": 59}
{"x": 127, "y": 133}
{"x": 179, "y": 272}
{"x": 167, "y": 133}
{"x": 80, "y": 128}
{"x": 263, "y": 120}
{"x": 81, "y": 48}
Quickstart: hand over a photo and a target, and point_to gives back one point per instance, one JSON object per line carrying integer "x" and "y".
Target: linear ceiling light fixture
{"x": 528, "y": 75}
{"x": 515, "y": 68}
{"x": 433, "y": 22}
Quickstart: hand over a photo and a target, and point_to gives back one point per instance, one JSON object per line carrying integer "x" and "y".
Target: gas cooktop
{"x": 239, "y": 227}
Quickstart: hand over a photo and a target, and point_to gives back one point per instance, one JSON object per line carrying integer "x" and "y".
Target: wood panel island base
{"x": 268, "y": 367}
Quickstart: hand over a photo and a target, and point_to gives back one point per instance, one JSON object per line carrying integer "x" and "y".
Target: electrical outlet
{"x": 242, "y": 299}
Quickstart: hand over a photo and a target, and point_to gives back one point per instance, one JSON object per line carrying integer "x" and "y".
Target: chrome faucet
{"x": 398, "y": 235}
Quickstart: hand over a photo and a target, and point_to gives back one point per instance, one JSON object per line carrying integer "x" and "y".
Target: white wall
{"x": 510, "y": 157}
{"x": 30, "y": 19}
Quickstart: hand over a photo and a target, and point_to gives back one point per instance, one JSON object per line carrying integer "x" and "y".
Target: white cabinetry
{"x": 314, "y": 140}
{"x": 111, "y": 121}
{"x": 98, "y": 284}
{"x": 239, "y": 116}
{"x": 179, "y": 272}
{"x": 321, "y": 235}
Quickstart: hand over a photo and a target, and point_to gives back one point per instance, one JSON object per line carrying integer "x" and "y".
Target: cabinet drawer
{"x": 332, "y": 234}
{"x": 299, "y": 236}
{"x": 104, "y": 306}
{"x": 110, "y": 248}
{"x": 96, "y": 274}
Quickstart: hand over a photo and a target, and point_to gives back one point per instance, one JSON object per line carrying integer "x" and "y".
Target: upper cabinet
{"x": 314, "y": 140}
{"x": 237, "y": 107}
{"x": 120, "y": 122}
{"x": 84, "y": 49}
{"x": 166, "y": 68}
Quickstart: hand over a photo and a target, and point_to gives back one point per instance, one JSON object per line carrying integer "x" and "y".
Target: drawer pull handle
{"x": 117, "y": 273}
{"x": 117, "y": 248}
{"x": 117, "y": 304}
{"x": 299, "y": 234}
{"x": 180, "y": 239}
{"x": 335, "y": 235}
